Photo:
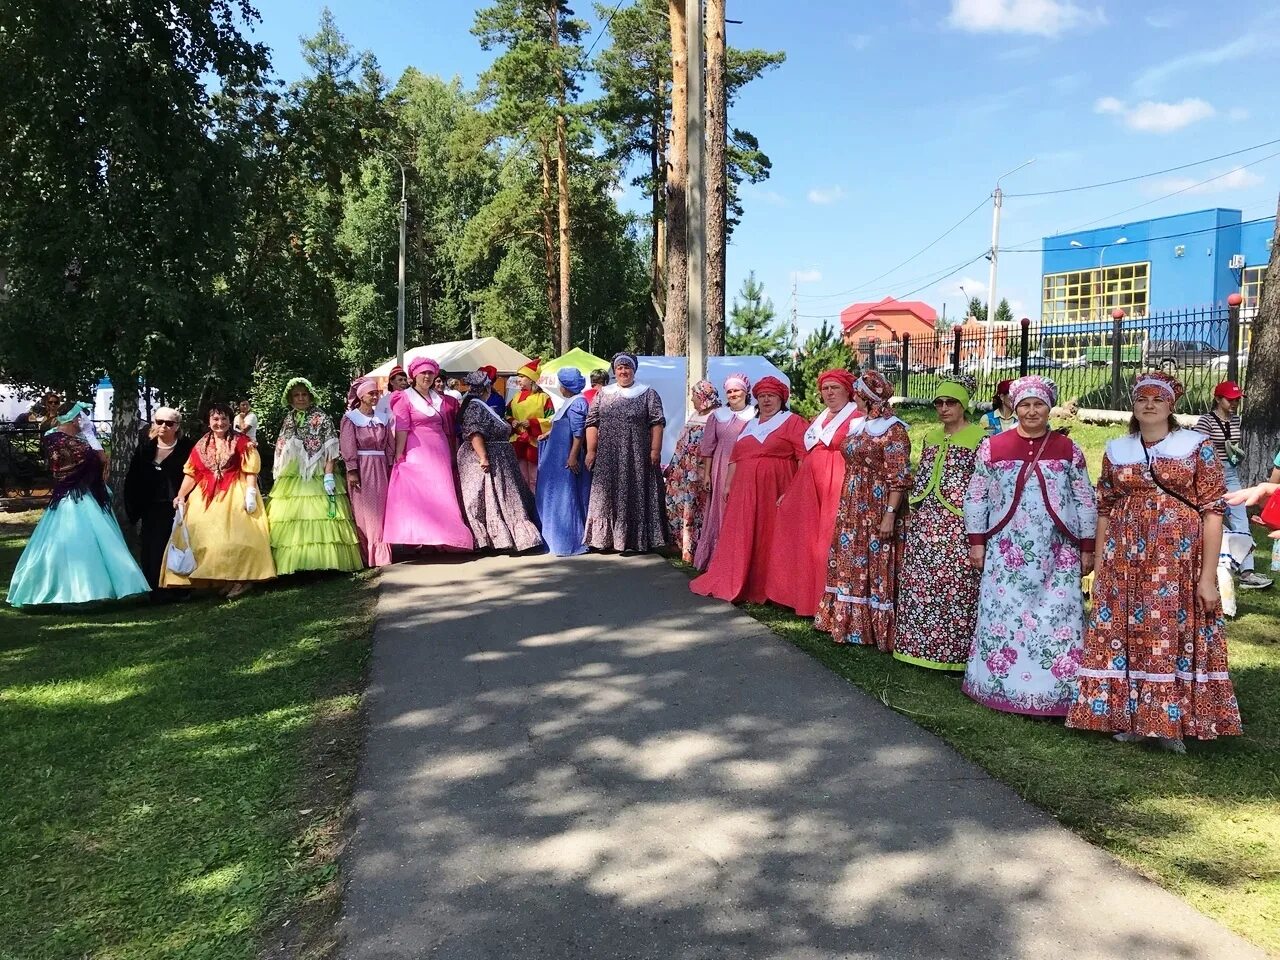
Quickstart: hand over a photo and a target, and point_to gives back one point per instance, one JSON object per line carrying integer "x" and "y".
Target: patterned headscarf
{"x": 837, "y": 375}
{"x": 877, "y": 391}
{"x": 627, "y": 360}
{"x": 1168, "y": 385}
{"x": 477, "y": 381}
{"x": 397, "y": 370}
{"x": 774, "y": 386}
{"x": 490, "y": 371}
{"x": 571, "y": 379}
{"x": 297, "y": 382}
{"x": 1033, "y": 386}
{"x": 738, "y": 381}
{"x": 419, "y": 364}
{"x": 359, "y": 387}
{"x": 77, "y": 410}
{"x": 704, "y": 396}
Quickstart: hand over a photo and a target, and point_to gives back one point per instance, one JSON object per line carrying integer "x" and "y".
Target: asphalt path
{"x": 577, "y": 757}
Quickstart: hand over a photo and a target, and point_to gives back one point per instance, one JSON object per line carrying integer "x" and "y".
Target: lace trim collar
{"x": 761, "y": 431}
{"x": 826, "y": 433}
{"x": 724, "y": 414}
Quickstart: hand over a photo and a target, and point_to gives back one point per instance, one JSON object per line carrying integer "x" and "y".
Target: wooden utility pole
{"x": 562, "y": 148}
{"x": 696, "y": 209}
{"x": 549, "y": 240}
{"x": 717, "y": 173}
{"x": 1261, "y": 414}
{"x": 675, "y": 318}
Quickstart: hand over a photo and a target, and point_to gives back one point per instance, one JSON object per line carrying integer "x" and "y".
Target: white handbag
{"x": 179, "y": 557}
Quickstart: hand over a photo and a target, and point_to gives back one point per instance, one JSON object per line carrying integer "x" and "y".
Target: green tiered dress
{"x": 303, "y": 535}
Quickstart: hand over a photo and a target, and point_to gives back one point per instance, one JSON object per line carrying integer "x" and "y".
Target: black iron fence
{"x": 1093, "y": 363}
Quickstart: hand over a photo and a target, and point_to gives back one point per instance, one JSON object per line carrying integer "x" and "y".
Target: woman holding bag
{"x": 154, "y": 477}
{"x": 226, "y": 521}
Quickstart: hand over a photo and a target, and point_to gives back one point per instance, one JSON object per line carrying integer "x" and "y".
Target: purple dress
{"x": 628, "y": 509}
{"x": 422, "y": 495}
{"x": 723, "y": 427}
{"x": 497, "y": 502}
{"x": 367, "y": 445}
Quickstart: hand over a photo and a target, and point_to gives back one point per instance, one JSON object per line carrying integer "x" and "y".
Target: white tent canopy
{"x": 667, "y": 376}
{"x": 461, "y": 356}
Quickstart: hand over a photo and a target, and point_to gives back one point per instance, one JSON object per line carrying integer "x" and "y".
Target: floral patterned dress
{"x": 1031, "y": 504}
{"x": 497, "y": 502}
{"x": 686, "y": 497}
{"x": 937, "y": 588}
{"x": 1154, "y": 663}
{"x": 858, "y": 605}
{"x": 628, "y": 508}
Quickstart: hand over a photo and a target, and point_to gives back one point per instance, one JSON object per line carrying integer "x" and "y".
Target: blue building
{"x": 1165, "y": 266}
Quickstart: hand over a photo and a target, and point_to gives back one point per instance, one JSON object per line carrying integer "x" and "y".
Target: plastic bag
{"x": 179, "y": 557}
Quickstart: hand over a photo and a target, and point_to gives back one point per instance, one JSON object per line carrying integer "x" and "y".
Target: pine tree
{"x": 823, "y": 349}
{"x": 752, "y": 331}
{"x": 977, "y": 309}
{"x": 1004, "y": 313}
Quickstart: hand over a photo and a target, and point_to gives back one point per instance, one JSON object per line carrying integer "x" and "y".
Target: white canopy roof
{"x": 459, "y": 356}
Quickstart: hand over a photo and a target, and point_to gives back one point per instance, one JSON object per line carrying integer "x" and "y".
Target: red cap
{"x": 490, "y": 371}
{"x": 1228, "y": 390}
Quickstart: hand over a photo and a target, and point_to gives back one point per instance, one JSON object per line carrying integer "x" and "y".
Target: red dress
{"x": 798, "y": 566}
{"x": 764, "y": 471}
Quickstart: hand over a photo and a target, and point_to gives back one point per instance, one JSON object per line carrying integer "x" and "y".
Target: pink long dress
{"x": 723, "y": 427}
{"x": 367, "y": 445}
{"x": 422, "y": 496}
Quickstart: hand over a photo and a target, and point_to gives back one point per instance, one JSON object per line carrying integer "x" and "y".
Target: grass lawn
{"x": 1206, "y": 826}
{"x": 176, "y": 776}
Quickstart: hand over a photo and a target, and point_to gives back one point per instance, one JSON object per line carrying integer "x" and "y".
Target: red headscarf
{"x": 774, "y": 386}
{"x": 490, "y": 371}
{"x": 842, "y": 377}
{"x": 397, "y": 369}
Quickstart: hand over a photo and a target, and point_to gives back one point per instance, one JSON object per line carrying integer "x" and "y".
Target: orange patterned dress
{"x": 1154, "y": 663}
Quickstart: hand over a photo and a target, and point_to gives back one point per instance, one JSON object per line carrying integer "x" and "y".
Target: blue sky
{"x": 891, "y": 121}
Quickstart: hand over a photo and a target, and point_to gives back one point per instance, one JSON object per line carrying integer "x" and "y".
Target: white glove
{"x": 250, "y": 500}
{"x": 330, "y": 484}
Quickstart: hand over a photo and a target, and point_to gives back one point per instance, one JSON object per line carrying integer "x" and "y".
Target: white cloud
{"x": 1150, "y": 116}
{"x": 823, "y": 196}
{"x": 1236, "y": 179}
{"x": 973, "y": 287}
{"x": 1046, "y": 18}
{"x": 1165, "y": 19}
{"x": 1237, "y": 114}
{"x": 1151, "y": 80}
{"x": 617, "y": 192}
{"x": 806, "y": 276}
{"x": 753, "y": 191}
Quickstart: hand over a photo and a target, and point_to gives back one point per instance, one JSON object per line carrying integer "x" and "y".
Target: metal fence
{"x": 1092, "y": 363}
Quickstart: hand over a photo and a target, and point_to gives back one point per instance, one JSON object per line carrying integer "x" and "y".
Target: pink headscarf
{"x": 359, "y": 386}
{"x": 739, "y": 381}
{"x": 418, "y": 364}
{"x": 1033, "y": 386}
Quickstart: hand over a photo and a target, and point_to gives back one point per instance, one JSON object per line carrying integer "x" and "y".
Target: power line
{"x": 1171, "y": 236}
{"x": 933, "y": 278}
{"x": 862, "y": 286}
{"x": 604, "y": 27}
{"x": 1144, "y": 176}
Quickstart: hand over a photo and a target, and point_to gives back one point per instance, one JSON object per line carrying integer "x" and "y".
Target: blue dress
{"x": 77, "y": 553}
{"x": 562, "y": 495}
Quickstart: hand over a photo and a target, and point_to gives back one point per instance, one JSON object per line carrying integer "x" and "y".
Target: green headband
{"x": 74, "y": 412}
{"x": 297, "y": 382}
{"x": 953, "y": 390}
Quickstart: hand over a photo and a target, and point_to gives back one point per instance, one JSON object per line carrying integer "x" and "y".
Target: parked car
{"x": 1170, "y": 355}
{"x": 1219, "y": 364}
{"x": 1075, "y": 362}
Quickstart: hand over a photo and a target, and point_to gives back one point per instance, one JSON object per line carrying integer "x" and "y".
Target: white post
{"x": 695, "y": 202}
{"x": 989, "y": 348}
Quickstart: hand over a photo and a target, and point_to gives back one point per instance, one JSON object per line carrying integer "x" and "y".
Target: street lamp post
{"x": 997, "y": 198}
{"x": 1102, "y": 295}
{"x": 404, "y": 226}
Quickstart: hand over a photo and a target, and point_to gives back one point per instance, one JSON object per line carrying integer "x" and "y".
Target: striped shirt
{"x": 1220, "y": 432}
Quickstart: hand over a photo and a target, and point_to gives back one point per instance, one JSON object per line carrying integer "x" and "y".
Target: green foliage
{"x": 1004, "y": 313}
{"x": 752, "y": 331}
{"x": 822, "y": 350}
{"x": 977, "y": 309}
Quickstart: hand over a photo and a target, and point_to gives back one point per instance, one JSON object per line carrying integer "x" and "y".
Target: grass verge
{"x": 178, "y": 775}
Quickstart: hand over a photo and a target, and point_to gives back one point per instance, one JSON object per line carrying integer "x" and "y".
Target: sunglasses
{"x": 165, "y": 423}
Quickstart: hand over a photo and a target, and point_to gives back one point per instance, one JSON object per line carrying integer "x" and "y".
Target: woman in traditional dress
{"x": 77, "y": 553}
{"x": 807, "y": 513}
{"x": 498, "y": 504}
{"x": 1030, "y": 515}
{"x": 155, "y": 474}
{"x": 723, "y": 426}
{"x": 308, "y": 510}
{"x": 686, "y": 489}
{"x": 530, "y": 418}
{"x": 765, "y": 458}
{"x": 397, "y": 380}
{"x": 858, "y": 602}
{"x": 599, "y": 378}
{"x": 366, "y": 443}
{"x": 422, "y": 497}
{"x": 1001, "y": 416}
{"x": 937, "y": 587}
{"x": 1155, "y": 652}
{"x": 493, "y": 398}
{"x": 226, "y": 521}
{"x": 624, "y": 453}
{"x": 564, "y": 483}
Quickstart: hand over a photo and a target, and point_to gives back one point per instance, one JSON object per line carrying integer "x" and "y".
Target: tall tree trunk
{"x": 658, "y": 238}
{"x": 675, "y": 321}
{"x": 562, "y": 180}
{"x": 717, "y": 195}
{"x": 549, "y": 245}
{"x": 125, "y": 428}
{"x": 1261, "y": 420}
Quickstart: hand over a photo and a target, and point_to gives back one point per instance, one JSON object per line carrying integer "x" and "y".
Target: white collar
{"x": 632, "y": 391}
{"x": 724, "y": 414}
{"x": 362, "y": 419}
{"x": 761, "y": 430}
{"x": 876, "y": 427}
{"x": 427, "y": 407}
{"x": 1178, "y": 445}
{"x": 826, "y": 433}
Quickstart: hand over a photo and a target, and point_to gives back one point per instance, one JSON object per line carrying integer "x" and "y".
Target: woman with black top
{"x": 154, "y": 476}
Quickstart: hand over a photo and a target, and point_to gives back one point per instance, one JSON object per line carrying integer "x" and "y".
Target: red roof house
{"x": 885, "y": 321}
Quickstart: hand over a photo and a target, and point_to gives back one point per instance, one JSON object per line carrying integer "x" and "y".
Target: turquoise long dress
{"x": 77, "y": 553}
{"x": 562, "y": 495}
